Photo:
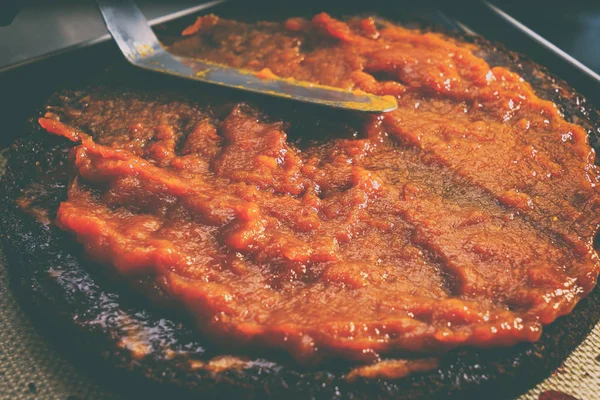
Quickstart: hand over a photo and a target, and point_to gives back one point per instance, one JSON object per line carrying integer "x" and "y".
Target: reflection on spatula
{"x": 137, "y": 42}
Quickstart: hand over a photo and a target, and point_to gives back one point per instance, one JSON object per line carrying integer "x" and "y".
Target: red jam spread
{"x": 465, "y": 217}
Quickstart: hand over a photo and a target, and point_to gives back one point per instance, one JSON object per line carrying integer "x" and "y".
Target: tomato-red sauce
{"x": 464, "y": 217}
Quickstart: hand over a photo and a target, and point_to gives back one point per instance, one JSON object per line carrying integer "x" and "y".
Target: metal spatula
{"x": 137, "y": 42}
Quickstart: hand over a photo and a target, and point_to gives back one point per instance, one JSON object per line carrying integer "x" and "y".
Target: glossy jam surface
{"x": 465, "y": 217}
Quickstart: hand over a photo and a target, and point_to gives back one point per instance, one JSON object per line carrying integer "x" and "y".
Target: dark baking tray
{"x": 23, "y": 90}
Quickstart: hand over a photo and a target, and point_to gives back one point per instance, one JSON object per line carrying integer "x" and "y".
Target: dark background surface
{"x": 572, "y": 25}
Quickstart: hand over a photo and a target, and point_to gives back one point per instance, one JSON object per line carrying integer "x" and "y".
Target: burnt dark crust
{"x": 93, "y": 318}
